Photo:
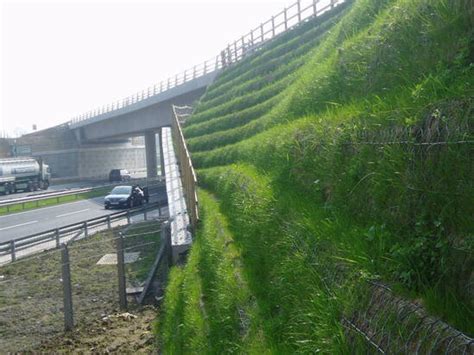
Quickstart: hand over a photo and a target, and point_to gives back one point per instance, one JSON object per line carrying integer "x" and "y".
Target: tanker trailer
{"x": 23, "y": 174}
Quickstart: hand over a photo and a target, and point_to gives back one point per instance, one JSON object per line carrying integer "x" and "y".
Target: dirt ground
{"x": 122, "y": 332}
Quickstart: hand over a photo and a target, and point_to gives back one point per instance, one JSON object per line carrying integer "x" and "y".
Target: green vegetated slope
{"x": 337, "y": 154}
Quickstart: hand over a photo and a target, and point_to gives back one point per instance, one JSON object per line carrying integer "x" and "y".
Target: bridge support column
{"x": 150, "y": 152}
{"x": 162, "y": 157}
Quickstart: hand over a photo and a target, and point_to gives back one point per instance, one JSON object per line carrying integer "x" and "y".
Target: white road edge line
{"x": 70, "y": 213}
{"x": 18, "y": 225}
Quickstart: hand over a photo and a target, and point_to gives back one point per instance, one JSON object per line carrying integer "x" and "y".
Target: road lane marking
{"x": 18, "y": 225}
{"x": 55, "y": 206}
{"x": 70, "y": 213}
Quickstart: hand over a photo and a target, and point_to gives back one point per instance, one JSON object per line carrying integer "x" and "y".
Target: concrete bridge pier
{"x": 150, "y": 154}
{"x": 162, "y": 157}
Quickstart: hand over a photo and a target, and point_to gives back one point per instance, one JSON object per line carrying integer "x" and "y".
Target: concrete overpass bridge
{"x": 144, "y": 117}
{"x": 105, "y": 138}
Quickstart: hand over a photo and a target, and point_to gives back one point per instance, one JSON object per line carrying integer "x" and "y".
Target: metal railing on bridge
{"x": 291, "y": 16}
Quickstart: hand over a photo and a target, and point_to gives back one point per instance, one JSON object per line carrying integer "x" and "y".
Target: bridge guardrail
{"x": 53, "y": 238}
{"x": 291, "y": 16}
{"x": 57, "y": 195}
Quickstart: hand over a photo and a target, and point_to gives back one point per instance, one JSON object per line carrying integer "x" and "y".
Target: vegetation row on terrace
{"x": 340, "y": 153}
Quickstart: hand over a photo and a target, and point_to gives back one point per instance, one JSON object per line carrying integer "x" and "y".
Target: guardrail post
{"x": 333, "y": 3}
{"x": 56, "y": 235}
{"x": 145, "y": 215}
{"x": 251, "y": 37}
{"x": 285, "y": 14}
{"x": 67, "y": 289}
{"x": 109, "y": 224}
{"x": 12, "y": 250}
{"x": 128, "y": 216}
{"x": 261, "y": 32}
{"x": 86, "y": 232}
{"x": 314, "y": 7}
{"x": 121, "y": 273}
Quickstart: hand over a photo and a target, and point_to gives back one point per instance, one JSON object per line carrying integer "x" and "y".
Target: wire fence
{"x": 43, "y": 295}
{"x": 291, "y": 16}
{"x": 392, "y": 325}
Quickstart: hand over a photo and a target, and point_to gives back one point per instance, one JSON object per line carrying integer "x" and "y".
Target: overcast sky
{"x": 62, "y": 58}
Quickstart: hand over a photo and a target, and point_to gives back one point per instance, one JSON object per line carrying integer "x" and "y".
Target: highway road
{"x": 22, "y": 224}
{"x": 71, "y": 185}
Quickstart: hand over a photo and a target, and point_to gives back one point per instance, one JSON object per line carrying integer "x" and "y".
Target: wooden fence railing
{"x": 188, "y": 175}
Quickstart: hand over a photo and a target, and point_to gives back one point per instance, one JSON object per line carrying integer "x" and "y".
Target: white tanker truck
{"x": 23, "y": 174}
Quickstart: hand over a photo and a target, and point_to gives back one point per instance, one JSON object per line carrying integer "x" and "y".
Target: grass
{"x": 359, "y": 169}
{"x": 25, "y": 206}
{"x": 219, "y": 310}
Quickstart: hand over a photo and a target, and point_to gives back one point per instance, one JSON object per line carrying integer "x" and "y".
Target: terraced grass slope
{"x": 338, "y": 154}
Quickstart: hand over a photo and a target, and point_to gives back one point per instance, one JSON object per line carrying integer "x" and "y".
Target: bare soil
{"x": 121, "y": 332}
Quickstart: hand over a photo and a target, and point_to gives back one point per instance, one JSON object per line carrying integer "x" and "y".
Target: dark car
{"x": 119, "y": 175}
{"x": 126, "y": 196}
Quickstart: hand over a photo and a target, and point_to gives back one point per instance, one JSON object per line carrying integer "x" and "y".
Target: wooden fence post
{"x": 67, "y": 289}
{"x": 235, "y": 50}
{"x": 121, "y": 273}
{"x": 299, "y": 10}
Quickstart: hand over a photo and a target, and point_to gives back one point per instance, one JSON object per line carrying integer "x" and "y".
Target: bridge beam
{"x": 150, "y": 153}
